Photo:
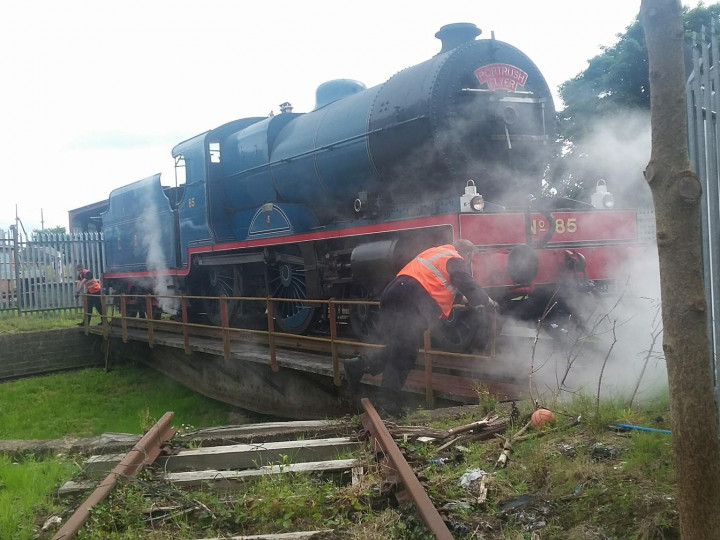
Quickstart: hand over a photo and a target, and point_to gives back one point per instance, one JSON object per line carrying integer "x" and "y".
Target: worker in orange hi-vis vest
{"x": 423, "y": 291}
{"x": 87, "y": 281}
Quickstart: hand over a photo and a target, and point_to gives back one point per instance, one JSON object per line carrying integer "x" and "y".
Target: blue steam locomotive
{"x": 331, "y": 203}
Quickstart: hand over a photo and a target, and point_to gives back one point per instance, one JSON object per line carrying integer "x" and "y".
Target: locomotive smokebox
{"x": 454, "y": 35}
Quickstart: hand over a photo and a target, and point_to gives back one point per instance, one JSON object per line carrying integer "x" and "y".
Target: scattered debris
{"x": 483, "y": 490}
{"x": 456, "y": 505}
{"x": 605, "y": 451}
{"x": 507, "y": 446}
{"x": 528, "y": 511}
{"x": 567, "y": 450}
{"x": 630, "y": 427}
{"x": 471, "y": 476}
{"x": 517, "y": 502}
{"x": 51, "y": 523}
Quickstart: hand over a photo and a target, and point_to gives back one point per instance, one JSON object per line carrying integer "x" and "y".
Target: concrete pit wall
{"x": 35, "y": 353}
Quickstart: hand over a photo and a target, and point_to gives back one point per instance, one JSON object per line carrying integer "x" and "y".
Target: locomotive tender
{"x": 331, "y": 203}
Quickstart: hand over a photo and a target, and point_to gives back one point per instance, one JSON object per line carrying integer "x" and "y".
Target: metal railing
{"x": 115, "y": 309}
{"x": 704, "y": 147}
{"x": 38, "y": 273}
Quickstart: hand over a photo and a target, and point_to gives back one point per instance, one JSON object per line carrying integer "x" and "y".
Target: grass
{"x": 576, "y": 491}
{"x": 11, "y": 323}
{"x": 128, "y": 399}
{"x": 85, "y": 403}
{"x": 26, "y": 486}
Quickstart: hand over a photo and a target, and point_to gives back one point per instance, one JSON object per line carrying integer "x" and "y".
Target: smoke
{"x": 150, "y": 230}
{"x": 439, "y": 169}
{"x": 619, "y": 347}
{"x": 616, "y": 150}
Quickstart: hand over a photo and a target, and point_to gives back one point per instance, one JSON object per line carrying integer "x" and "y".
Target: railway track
{"x": 227, "y": 467}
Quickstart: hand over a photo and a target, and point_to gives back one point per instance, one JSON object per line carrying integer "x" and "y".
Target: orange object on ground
{"x": 541, "y": 417}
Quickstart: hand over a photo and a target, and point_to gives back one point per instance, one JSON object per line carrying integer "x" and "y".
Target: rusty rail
{"x": 143, "y": 453}
{"x": 429, "y": 514}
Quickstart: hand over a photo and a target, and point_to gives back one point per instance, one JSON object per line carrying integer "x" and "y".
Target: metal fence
{"x": 38, "y": 273}
{"x": 703, "y": 138}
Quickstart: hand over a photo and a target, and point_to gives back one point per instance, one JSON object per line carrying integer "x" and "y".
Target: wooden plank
{"x": 246, "y": 433}
{"x": 237, "y": 456}
{"x": 452, "y": 377}
{"x": 233, "y": 480}
{"x": 107, "y": 442}
{"x": 72, "y": 488}
{"x": 459, "y": 387}
{"x": 230, "y": 480}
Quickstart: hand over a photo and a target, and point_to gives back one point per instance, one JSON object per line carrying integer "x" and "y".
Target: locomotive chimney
{"x": 455, "y": 34}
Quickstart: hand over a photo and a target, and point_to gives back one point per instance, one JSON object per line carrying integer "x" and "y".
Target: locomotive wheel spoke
{"x": 286, "y": 280}
{"x": 220, "y": 281}
{"x": 365, "y": 321}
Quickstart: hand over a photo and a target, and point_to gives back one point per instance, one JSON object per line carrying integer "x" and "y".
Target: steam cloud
{"x": 151, "y": 234}
{"x": 625, "y": 330}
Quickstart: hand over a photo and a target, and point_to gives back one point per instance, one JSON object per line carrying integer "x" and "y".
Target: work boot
{"x": 355, "y": 368}
{"x": 387, "y": 404}
{"x": 388, "y": 412}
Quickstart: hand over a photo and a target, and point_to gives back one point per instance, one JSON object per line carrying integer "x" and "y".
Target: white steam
{"x": 619, "y": 349}
{"x": 151, "y": 233}
{"x": 617, "y": 150}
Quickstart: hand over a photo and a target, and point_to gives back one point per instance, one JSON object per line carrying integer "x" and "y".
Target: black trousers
{"x": 93, "y": 301}
{"x": 406, "y": 311}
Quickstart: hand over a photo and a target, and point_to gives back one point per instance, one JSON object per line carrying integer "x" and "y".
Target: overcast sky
{"x": 95, "y": 94}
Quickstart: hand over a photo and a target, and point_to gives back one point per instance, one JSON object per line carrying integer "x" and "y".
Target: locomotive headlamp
{"x": 602, "y": 198}
{"x": 471, "y": 201}
{"x": 477, "y": 203}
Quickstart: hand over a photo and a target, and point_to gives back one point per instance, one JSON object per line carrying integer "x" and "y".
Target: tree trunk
{"x": 676, "y": 193}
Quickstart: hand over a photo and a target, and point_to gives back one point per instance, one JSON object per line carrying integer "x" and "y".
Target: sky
{"x": 95, "y": 94}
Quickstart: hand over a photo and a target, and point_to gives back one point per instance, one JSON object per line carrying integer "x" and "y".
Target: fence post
{"x": 186, "y": 335}
{"x": 86, "y": 316}
{"x": 429, "y": 394}
{"x": 149, "y": 319}
{"x": 104, "y": 316}
{"x": 16, "y": 258}
{"x": 225, "y": 323}
{"x": 123, "y": 317}
{"x": 332, "y": 313}
{"x": 271, "y": 338}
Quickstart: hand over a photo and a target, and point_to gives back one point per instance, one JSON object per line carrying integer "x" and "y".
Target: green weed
{"x": 26, "y": 486}
{"x": 11, "y": 323}
{"x": 91, "y": 401}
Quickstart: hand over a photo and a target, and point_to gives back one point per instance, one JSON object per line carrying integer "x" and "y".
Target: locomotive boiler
{"x": 332, "y": 202}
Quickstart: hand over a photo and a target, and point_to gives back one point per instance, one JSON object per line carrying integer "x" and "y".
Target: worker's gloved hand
{"x": 77, "y": 295}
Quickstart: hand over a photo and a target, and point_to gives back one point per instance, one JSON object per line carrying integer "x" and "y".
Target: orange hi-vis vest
{"x": 92, "y": 286}
{"x": 430, "y": 269}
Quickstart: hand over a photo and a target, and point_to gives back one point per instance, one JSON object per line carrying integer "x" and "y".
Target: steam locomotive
{"x": 331, "y": 203}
